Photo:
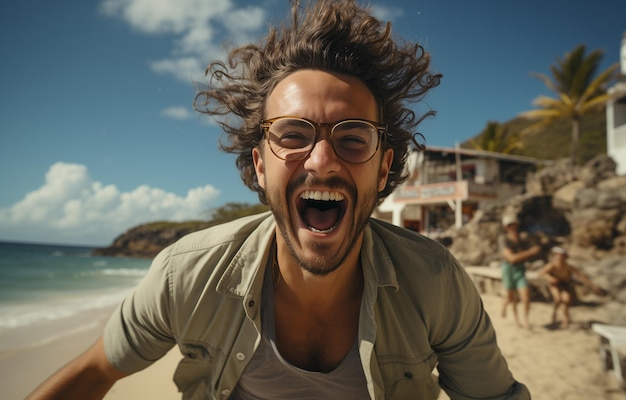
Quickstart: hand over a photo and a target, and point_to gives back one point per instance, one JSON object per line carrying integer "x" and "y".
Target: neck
{"x": 310, "y": 290}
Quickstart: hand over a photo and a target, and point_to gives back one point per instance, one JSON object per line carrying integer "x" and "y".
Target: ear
{"x": 259, "y": 167}
{"x": 385, "y": 167}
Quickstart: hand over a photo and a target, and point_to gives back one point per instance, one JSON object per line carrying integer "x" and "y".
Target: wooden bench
{"x": 613, "y": 349}
{"x": 489, "y": 280}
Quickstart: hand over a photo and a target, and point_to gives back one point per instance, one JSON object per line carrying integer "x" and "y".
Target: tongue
{"x": 319, "y": 219}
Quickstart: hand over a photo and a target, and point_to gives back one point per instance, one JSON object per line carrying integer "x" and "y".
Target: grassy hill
{"x": 553, "y": 142}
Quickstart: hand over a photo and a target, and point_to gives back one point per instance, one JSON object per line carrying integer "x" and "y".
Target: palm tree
{"x": 495, "y": 138}
{"x": 578, "y": 92}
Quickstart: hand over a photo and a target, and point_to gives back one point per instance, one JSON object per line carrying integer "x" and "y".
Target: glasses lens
{"x": 355, "y": 141}
{"x": 291, "y": 138}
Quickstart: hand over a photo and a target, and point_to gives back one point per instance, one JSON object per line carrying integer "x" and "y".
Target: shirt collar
{"x": 244, "y": 274}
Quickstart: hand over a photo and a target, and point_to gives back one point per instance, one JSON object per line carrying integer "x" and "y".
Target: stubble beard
{"x": 323, "y": 264}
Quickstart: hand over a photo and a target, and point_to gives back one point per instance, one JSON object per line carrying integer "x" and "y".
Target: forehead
{"x": 321, "y": 96}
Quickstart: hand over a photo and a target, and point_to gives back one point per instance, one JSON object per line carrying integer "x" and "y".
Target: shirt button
{"x": 225, "y": 392}
{"x": 240, "y": 356}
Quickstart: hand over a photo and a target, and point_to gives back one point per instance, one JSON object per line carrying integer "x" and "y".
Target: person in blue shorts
{"x": 515, "y": 251}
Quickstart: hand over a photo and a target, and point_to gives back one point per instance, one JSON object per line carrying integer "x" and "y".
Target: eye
{"x": 292, "y": 133}
{"x": 352, "y": 142}
{"x": 293, "y": 140}
{"x": 354, "y": 136}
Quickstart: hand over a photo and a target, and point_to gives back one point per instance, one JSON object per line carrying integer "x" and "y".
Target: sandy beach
{"x": 553, "y": 363}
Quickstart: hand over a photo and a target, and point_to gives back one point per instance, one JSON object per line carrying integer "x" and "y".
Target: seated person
{"x": 559, "y": 275}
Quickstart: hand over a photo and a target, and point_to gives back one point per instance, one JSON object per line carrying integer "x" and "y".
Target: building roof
{"x": 448, "y": 152}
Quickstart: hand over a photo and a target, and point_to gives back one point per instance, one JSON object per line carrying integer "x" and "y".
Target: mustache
{"x": 309, "y": 181}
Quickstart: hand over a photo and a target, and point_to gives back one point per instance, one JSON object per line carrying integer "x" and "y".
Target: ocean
{"x": 49, "y": 291}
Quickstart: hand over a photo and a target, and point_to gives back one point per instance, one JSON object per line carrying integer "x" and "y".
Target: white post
{"x": 458, "y": 211}
{"x": 396, "y": 215}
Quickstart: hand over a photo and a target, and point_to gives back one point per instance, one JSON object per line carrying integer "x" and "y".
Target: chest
{"x": 562, "y": 274}
{"x": 316, "y": 341}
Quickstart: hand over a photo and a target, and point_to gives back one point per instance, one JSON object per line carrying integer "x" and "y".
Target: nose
{"x": 322, "y": 160}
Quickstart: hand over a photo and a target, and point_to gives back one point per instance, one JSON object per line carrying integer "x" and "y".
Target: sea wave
{"x": 24, "y": 314}
{"x": 133, "y": 272}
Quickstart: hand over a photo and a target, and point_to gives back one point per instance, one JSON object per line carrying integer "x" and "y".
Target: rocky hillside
{"x": 581, "y": 208}
{"x": 148, "y": 239}
{"x": 145, "y": 241}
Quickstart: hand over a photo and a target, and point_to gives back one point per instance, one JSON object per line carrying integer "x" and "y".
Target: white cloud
{"x": 72, "y": 208}
{"x": 178, "y": 112}
{"x": 186, "y": 69}
{"x": 199, "y": 27}
{"x": 386, "y": 13}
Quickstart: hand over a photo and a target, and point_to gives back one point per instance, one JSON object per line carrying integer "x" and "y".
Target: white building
{"x": 447, "y": 185}
{"x": 616, "y": 118}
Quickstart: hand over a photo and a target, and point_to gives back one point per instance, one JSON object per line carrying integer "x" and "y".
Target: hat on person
{"x": 559, "y": 250}
{"x": 509, "y": 219}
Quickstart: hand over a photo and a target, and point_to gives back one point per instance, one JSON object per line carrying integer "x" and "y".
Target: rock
{"x": 594, "y": 227}
{"x": 599, "y": 168}
{"x": 548, "y": 180}
{"x": 564, "y": 197}
{"x": 614, "y": 183}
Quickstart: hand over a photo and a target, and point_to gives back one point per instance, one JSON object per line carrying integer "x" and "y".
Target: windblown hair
{"x": 334, "y": 36}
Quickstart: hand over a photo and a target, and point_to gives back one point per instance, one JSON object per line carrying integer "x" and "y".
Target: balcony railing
{"x": 443, "y": 191}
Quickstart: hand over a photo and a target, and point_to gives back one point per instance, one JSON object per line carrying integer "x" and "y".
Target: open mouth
{"x": 321, "y": 212}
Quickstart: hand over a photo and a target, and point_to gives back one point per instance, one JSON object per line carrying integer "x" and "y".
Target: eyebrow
{"x": 297, "y": 122}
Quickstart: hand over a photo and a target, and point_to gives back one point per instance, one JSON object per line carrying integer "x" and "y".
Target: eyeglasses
{"x": 293, "y": 138}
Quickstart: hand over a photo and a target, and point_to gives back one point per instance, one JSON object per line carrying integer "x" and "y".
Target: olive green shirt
{"x": 420, "y": 310}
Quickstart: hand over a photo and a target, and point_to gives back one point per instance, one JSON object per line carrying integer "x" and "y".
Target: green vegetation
{"x": 232, "y": 211}
{"x": 579, "y": 92}
{"x": 496, "y": 138}
{"x": 223, "y": 214}
{"x": 552, "y": 141}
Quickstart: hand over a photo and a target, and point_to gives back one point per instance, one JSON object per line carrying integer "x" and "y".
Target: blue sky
{"x": 97, "y": 133}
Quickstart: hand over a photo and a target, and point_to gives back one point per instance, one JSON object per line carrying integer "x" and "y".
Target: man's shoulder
{"x": 203, "y": 256}
{"x": 410, "y": 259}
{"x": 232, "y": 232}
{"x": 399, "y": 239}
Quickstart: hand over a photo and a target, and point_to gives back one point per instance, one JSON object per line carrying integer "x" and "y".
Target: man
{"x": 516, "y": 250}
{"x": 315, "y": 299}
{"x": 560, "y": 276}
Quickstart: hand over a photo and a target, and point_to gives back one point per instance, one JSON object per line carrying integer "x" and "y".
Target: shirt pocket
{"x": 409, "y": 377}
{"x": 196, "y": 373}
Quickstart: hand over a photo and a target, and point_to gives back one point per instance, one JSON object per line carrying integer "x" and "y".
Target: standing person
{"x": 515, "y": 250}
{"x": 314, "y": 299}
{"x": 560, "y": 276}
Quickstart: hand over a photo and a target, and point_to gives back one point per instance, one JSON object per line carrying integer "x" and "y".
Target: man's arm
{"x": 587, "y": 281}
{"x": 520, "y": 256}
{"x": 471, "y": 365}
{"x": 89, "y": 376}
{"x": 545, "y": 274}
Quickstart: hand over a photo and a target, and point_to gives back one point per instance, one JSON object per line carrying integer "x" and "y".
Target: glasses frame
{"x": 381, "y": 129}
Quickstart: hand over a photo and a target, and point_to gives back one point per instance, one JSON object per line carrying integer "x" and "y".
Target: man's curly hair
{"x": 330, "y": 35}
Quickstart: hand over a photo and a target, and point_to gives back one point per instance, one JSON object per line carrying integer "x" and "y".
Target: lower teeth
{"x": 332, "y": 228}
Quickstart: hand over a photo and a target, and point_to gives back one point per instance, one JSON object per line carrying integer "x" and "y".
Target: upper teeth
{"x": 317, "y": 195}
